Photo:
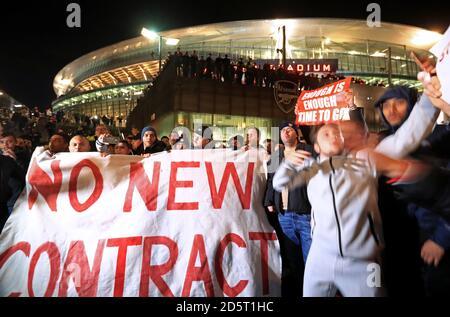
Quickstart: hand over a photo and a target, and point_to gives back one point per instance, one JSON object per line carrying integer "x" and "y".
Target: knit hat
{"x": 147, "y": 128}
{"x": 289, "y": 124}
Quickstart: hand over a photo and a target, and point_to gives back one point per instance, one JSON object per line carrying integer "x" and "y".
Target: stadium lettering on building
{"x": 310, "y": 66}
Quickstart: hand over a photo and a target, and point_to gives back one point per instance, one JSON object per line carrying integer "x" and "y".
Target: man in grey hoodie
{"x": 346, "y": 226}
{"x": 351, "y": 201}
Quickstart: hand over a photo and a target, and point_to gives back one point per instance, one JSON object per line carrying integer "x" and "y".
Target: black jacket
{"x": 12, "y": 181}
{"x": 156, "y": 147}
{"x": 298, "y": 201}
{"x": 432, "y": 191}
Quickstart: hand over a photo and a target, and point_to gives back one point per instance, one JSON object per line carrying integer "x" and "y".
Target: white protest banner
{"x": 323, "y": 105}
{"x": 441, "y": 51}
{"x": 185, "y": 223}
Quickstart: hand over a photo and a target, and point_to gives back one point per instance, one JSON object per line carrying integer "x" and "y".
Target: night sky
{"x": 36, "y": 43}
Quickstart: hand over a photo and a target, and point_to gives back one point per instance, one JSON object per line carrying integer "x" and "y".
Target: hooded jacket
{"x": 398, "y": 92}
{"x": 345, "y": 220}
{"x": 12, "y": 181}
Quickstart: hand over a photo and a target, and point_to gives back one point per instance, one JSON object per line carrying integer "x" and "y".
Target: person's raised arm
{"x": 291, "y": 173}
{"x": 397, "y": 170}
{"x": 392, "y": 168}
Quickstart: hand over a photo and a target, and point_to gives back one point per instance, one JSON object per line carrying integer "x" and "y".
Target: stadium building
{"x": 111, "y": 80}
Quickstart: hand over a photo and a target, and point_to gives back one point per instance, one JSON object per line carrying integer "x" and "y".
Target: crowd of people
{"x": 248, "y": 72}
{"x": 334, "y": 200}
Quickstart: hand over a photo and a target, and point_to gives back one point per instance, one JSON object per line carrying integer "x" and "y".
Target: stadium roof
{"x": 130, "y": 59}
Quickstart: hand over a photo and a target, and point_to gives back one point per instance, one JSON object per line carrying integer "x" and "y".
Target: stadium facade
{"x": 109, "y": 81}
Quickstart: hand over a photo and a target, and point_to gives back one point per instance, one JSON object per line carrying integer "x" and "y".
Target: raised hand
{"x": 349, "y": 98}
{"x": 297, "y": 157}
{"x": 432, "y": 88}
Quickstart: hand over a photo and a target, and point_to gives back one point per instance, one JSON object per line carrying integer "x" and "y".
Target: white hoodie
{"x": 342, "y": 191}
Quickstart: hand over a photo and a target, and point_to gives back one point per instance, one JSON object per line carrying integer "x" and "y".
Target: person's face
{"x": 288, "y": 135}
{"x": 79, "y": 144}
{"x": 329, "y": 141}
{"x": 199, "y": 142}
{"x": 235, "y": 144}
{"x": 8, "y": 143}
{"x": 135, "y": 144}
{"x": 57, "y": 144}
{"x": 111, "y": 148}
{"x": 27, "y": 143}
{"x": 252, "y": 137}
{"x": 20, "y": 143}
{"x": 395, "y": 110}
{"x": 121, "y": 148}
{"x": 354, "y": 135}
{"x": 166, "y": 141}
{"x": 179, "y": 146}
{"x": 173, "y": 138}
{"x": 134, "y": 131}
{"x": 100, "y": 129}
{"x": 149, "y": 138}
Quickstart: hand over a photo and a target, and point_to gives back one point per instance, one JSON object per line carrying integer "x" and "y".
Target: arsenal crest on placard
{"x": 286, "y": 95}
